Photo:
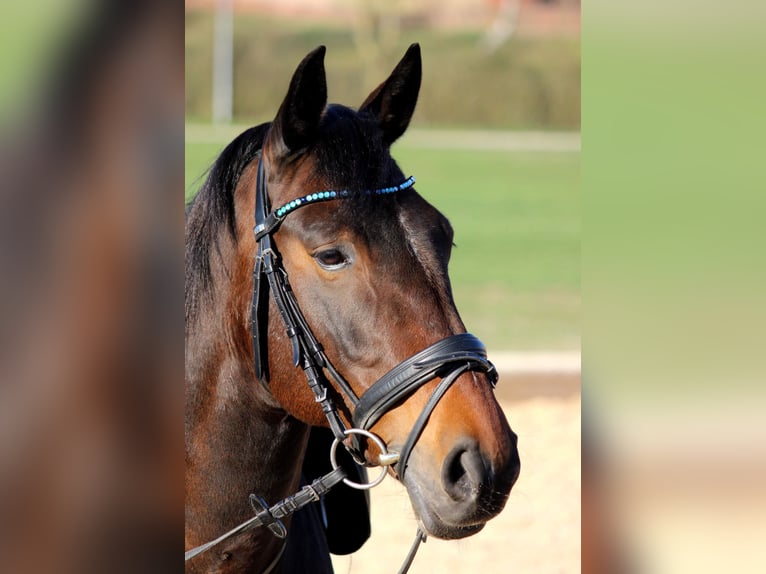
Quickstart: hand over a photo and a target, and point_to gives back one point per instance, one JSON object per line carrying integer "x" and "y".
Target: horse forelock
{"x": 351, "y": 154}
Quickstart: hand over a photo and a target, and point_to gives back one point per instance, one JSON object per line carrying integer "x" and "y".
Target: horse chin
{"x": 434, "y": 527}
{"x": 437, "y": 517}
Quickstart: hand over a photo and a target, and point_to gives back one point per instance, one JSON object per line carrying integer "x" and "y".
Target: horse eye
{"x": 331, "y": 259}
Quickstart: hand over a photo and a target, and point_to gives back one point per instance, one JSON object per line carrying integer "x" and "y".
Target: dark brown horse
{"x": 369, "y": 281}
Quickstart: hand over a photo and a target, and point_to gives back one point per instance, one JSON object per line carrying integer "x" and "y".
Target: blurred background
{"x": 92, "y": 100}
{"x": 91, "y": 305}
{"x": 494, "y": 142}
{"x": 495, "y": 145}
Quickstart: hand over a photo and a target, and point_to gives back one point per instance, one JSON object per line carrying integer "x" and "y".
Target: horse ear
{"x": 298, "y": 117}
{"x": 393, "y": 101}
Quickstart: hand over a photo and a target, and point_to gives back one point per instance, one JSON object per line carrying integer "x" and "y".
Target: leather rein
{"x": 446, "y": 359}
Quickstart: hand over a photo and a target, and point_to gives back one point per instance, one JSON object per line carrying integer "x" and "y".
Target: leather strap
{"x": 420, "y": 538}
{"x": 270, "y": 277}
{"x": 404, "y": 455}
{"x": 271, "y": 516}
{"x": 260, "y": 305}
{"x": 448, "y": 359}
{"x": 409, "y": 375}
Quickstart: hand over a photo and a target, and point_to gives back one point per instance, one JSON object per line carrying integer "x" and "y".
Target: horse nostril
{"x": 464, "y": 472}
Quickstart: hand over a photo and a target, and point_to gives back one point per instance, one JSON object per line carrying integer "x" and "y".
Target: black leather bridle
{"x": 446, "y": 359}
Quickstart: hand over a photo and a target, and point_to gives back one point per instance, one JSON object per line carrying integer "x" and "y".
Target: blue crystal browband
{"x": 275, "y": 217}
{"x": 332, "y": 194}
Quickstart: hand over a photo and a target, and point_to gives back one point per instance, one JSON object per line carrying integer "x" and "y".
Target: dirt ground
{"x": 538, "y": 532}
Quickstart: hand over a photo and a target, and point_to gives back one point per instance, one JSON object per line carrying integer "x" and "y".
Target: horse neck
{"x": 238, "y": 439}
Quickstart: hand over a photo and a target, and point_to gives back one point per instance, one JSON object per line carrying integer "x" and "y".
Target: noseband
{"x": 446, "y": 359}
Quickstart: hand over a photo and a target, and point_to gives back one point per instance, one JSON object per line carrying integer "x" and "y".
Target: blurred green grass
{"x": 516, "y": 268}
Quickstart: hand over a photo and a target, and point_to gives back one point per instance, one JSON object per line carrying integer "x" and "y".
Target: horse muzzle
{"x": 469, "y": 489}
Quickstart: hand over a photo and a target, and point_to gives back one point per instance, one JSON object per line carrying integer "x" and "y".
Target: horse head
{"x": 369, "y": 275}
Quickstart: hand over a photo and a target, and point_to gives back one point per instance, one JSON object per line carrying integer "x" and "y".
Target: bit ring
{"x": 383, "y": 451}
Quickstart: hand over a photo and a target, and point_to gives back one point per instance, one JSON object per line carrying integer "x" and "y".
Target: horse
{"x": 311, "y": 258}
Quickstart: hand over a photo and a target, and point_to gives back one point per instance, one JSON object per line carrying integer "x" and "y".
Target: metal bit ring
{"x": 388, "y": 456}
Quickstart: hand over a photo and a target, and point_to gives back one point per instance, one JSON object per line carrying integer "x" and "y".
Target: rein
{"x": 446, "y": 359}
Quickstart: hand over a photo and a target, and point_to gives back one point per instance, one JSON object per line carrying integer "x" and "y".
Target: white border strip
{"x": 537, "y": 363}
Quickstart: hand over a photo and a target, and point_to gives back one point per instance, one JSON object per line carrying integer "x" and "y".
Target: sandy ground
{"x": 539, "y": 529}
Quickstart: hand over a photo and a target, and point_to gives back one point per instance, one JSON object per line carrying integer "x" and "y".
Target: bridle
{"x": 446, "y": 359}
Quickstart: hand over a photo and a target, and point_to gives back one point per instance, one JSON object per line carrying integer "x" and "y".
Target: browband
{"x": 274, "y": 219}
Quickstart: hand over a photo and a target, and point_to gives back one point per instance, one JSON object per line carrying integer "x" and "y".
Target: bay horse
{"x": 367, "y": 314}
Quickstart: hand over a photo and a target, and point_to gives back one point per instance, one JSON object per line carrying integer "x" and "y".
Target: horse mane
{"x": 211, "y": 211}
